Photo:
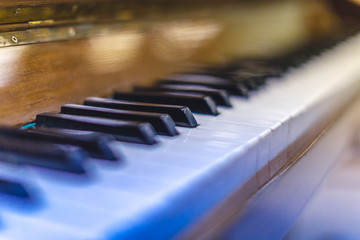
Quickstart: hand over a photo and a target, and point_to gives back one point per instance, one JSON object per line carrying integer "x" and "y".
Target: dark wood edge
{"x": 52, "y": 2}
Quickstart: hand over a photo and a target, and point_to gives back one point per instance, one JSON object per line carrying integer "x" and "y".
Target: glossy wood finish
{"x": 41, "y": 77}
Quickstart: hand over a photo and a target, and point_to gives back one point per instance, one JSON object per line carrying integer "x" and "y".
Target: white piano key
{"x": 156, "y": 171}
{"x": 224, "y": 176}
{"x": 55, "y": 196}
{"x": 75, "y": 217}
{"x": 133, "y": 184}
{"x": 20, "y": 227}
{"x": 148, "y": 154}
{"x": 245, "y": 118}
{"x": 231, "y": 127}
{"x": 83, "y": 194}
{"x": 275, "y": 136}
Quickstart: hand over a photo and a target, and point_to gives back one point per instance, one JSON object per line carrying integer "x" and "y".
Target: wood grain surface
{"x": 38, "y": 78}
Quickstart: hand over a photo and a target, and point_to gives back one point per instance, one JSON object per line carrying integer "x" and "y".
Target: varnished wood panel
{"x": 41, "y": 77}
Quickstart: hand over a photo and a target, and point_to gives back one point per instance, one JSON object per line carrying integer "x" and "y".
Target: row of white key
{"x": 155, "y": 182}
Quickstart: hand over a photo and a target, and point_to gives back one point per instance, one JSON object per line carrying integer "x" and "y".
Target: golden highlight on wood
{"x": 45, "y": 65}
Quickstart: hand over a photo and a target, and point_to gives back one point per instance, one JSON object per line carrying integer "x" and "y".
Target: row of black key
{"x": 140, "y": 115}
{"x": 66, "y": 140}
{"x": 160, "y": 106}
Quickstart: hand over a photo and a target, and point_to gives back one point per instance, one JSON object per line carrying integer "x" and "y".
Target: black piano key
{"x": 231, "y": 87}
{"x": 243, "y": 79}
{"x": 251, "y": 81}
{"x": 13, "y": 188}
{"x": 251, "y": 84}
{"x": 136, "y": 132}
{"x": 267, "y": 68}
{"x": 196, "y": 102}
{"x": 180, "y": 114}
{"x": 221, "y": 97}
{"x": 96, "y": 145}
{"x": 162, "y": 123}
{"x": 41, "y": 154}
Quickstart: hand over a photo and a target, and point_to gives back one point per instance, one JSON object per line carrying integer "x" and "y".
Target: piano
{"x": 168, "y": 119}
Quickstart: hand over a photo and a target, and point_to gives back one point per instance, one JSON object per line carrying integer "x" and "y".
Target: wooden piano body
{"x": 62, "y": 51}
{"x": 66, "y": 50}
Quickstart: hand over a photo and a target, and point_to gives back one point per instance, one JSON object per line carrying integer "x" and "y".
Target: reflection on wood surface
{"x": 41, "y": 77}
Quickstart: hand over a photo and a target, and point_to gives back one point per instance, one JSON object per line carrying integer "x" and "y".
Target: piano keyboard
{"x": 158, "y": 179}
